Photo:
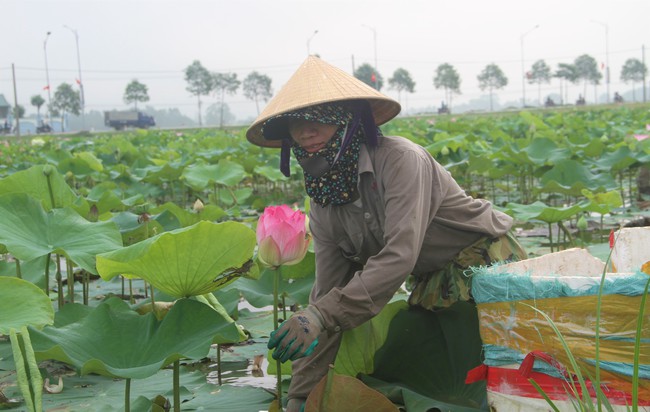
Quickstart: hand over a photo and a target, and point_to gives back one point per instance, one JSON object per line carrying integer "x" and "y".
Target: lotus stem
{"x": 131, "y": 298}
{"x": 49, "y": 189}
{"x": 59, "y": 282}
{"x": 86, "y": 286}
{"x": 19, "y": 273}
{"x": 70, "y": 277}
{"x": 46, "y": 289}
{"x": 127, "y": 395}
{"x": 219, "y": 364}
{"x": 278, "y": 364}
{"x": 177, "y": 386}
{"x": 550, "y": 236}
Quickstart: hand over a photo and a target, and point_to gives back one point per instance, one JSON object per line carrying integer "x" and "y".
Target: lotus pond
{"x": 100, "y": 233}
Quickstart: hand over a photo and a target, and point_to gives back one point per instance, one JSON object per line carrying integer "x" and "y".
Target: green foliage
{"x": 257, "y": 87}
{"x": 136, "y": 92}
{"x": 90, "y": 345}
{"x": 185, "y": 262}
{"x": 366, "y": 73}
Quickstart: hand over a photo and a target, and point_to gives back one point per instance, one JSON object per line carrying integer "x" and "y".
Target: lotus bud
{"x": 48, "y": 170}
{"x": 582, "y": 224}
{"x": 282, "y": 236}
{"x": 198, "y": 206}
{"x": 444, "y": 151}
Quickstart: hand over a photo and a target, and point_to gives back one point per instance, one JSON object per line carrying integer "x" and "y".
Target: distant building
{"x": 5, "y": 108}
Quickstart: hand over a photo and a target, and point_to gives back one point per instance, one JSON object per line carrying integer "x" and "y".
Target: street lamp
{"x": 309, "y": 41}
{"x": 47, "y": 79}
{"x": 82, "y": 101}
{"x": 606, "y": 54}
{"x": 523, "y": 68}
{"x": 374, "y": 39}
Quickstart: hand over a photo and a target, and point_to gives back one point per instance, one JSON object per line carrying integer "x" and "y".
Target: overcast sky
{"x": 155, "y": 40}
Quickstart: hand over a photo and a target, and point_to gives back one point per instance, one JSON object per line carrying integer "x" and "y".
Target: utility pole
{"x": 82, "y": 99}
{"x": 644, "y": 72}
{"x": 16, "y": 114}
{"x": 47, "y": 78}
{"x": 523, "y": 68}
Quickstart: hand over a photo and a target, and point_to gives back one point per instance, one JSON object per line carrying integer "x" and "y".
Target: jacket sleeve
{"x": 408, "y": 179}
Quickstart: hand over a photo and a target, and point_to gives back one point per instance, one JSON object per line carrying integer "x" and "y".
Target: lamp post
{"x": 606, "y": 54}
{"x": 309, "y": 42}
{"x": 523, "y": 68}
{"x": 47, "y": 79}
{"x": 82, "y": 100}
{"x": 374, "y": 40}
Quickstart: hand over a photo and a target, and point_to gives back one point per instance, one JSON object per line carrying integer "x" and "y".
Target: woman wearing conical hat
{"x": 381, "y": 209}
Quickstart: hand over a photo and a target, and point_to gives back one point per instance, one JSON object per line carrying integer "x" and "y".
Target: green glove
{"x": 297, "y": 336}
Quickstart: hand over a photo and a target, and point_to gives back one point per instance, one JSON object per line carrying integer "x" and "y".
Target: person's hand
{"x": 297, "y": 336}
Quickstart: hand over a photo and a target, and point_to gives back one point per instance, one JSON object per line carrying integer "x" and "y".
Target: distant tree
{"x": 369, "y": 75}
{"x": 224, "y": 83}
{"x": 19, "y": 111}
{"x": 492, "y": 78}
{"x": 447, "y": 78}
{"x": 566, "y": 72}
{"x": 199, "y": 82}
{"x": 401, "y": 81}
{"x": 136, "y": 92}
{"x": 634, "y": 70}
{"x": 219, "y": 113}
{"x": 257, "y": 86}
{"x": 66, "y": 100}
{"x": 587, "y": 70}
{"x": 540, "y": 73}
{"x": 37, "y": 101}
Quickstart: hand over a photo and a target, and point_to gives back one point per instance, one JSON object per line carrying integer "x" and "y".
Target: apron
{"x": 442, "y": 288}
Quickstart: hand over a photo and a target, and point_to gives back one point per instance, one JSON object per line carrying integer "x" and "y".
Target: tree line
{"x": 258, "y": 87}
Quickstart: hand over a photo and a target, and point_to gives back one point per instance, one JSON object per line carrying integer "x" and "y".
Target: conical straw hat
{"x": 316, "y": 82}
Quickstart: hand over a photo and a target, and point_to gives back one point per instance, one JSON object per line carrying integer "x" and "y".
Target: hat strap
{"x": 285, "y": 157}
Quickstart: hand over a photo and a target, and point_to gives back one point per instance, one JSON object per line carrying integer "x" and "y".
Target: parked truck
{"x": 121, "y": 119}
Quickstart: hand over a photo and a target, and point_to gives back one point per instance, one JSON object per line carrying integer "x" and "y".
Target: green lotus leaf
{"x": 617, "y": 160}
{"x": 570, "y": 177}
{"x": 428, "y": 353}
{"x": 22, "y": 303}
{"x": 185, "y": 262}
{"x": 295, "y": 284}
{"x": 113, "y": 340}
{"x": 602, "y": 202}
{"x": 34, "y": 183}
{"x": 541, "y": 211}
{"x": 29, "y": 232}
{"x": 543, "y": 151}
{"x": 225, "y": 173}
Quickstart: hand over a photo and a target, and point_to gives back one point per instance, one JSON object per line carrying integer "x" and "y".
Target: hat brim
{"x": 317, "y": 82}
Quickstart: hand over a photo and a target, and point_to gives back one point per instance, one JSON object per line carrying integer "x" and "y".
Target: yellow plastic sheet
{"x": 516, "y": 325}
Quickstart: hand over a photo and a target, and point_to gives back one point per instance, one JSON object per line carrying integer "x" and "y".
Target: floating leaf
{"x": 113, "y": 340}
{"x": 541, "y": 211}
{"x": 22, "y": 303}
{"x": 345, "y": 393}
{"x": 30, "y": 232}
{"x": 34, "y": 183}
{"x": 185, "y": 262}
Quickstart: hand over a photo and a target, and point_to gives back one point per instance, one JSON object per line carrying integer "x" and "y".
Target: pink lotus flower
{"x": 640, "y": 137}
{"x": 282, "y": 237}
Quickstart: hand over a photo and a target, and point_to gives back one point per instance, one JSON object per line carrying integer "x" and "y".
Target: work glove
{"x": 297, "y": 336}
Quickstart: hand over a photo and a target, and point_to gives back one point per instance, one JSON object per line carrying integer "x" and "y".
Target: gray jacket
{"x": 411, "y": 218}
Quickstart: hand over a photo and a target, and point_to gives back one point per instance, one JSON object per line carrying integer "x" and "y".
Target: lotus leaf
{"x": 22, "y": 303}
{"x": 113, "y": 340}
{"x": 34, "y": 183}
{"x": 570, "y": 177}
{"x": 30, "y": 232}
{"x": 226, "y": 173}
{"x": 430, "y": 353}
{"x": 541, "y": 211}
{"x": 345, "y": 393}
{"x": 185, "y": 262}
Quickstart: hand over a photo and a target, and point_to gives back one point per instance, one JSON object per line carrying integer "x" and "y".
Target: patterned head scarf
{"x": 331, "y": 174}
